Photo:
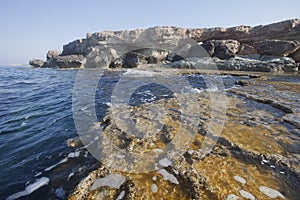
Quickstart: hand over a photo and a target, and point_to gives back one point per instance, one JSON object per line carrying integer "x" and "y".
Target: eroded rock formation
{"x": 101, "y": 49}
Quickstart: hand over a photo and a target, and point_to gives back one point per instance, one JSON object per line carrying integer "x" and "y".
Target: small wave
{"x": 70, "y": 155}
{"x": 138, "y": 73}
{"x": 30, "y": 188}
{"x": 55, "y": 165}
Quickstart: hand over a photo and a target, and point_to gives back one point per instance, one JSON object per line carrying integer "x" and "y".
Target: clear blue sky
{"x": 29, "y": 28}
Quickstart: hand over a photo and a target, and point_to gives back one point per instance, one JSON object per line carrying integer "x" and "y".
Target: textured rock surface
{"x": 246, "y": 49}
{"x": 276, "y": 47}
{"x": 255, "y": 145}
{"x": 239, "y": 63}
{"x": 37, "y": 63}
{"x": 70, "y": 61}
{"x": 52, "y": 54}
{"x": 101, "y": 49}
{"x": 296, "y": 55}
{"x": 223, "y": 49}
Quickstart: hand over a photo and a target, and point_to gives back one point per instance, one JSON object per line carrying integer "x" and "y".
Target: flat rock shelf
{"x": 256, "y": 156}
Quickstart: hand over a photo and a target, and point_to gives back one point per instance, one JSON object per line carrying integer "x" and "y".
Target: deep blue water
{"x": 36, "y": 120}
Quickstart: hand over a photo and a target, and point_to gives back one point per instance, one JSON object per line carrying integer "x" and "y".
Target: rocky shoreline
{"x": 256, "y": 155}
{"x": 273, "y": 47}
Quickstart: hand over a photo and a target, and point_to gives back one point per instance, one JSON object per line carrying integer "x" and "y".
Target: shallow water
{"x": 36, "y": 119}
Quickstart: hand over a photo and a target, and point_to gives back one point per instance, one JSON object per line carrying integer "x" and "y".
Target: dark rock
{"x": 296, "y": 55}
{"x": 70, "y": 61}
{"x": 223, "y": 49}
{"x": 275, "y": 47}
{"x": 246, "y": 49}
{"x": 209, "y": 47}
{"x": 132, "y": 60}
{"x": 37, "y": 63}
{"x": 174, "y": 57}
{"x": 117, "y": 63}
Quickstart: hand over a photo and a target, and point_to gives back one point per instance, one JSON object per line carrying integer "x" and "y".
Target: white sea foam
{"x": 139, "y": 73}
{"x": 74, "y": 154}
{"x": 30, "y": 188}
{"x": 55, "y": 165}
{"x": 195, "y": 91}
{"x": 70, "y": 175}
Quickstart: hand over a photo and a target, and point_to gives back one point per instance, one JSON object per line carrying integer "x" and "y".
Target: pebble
{"x": 246, "y": 195}
{"x": 240, "y": 179}
{"x": 232, "y": 197}
{"x": 168, "y": 177}
{"x": 270, "y": 192}
{"x": 165, "y": 162}
{"x": 154, "y": 188}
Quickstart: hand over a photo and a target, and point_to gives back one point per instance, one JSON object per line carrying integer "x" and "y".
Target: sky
{"x": 29, "y": 28}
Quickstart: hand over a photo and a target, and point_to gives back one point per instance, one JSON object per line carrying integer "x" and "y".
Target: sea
{"x": 36, "y": 121}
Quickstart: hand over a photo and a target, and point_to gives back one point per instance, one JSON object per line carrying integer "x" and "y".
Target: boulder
{"x": 70, "y": 61}
{"x": 37, "y": 63}
{"x": 152, "y": 55}
{"x": 173, "y": 57}
{"x": 209, "y": 47}
{"x": 246, "y": 49}
{"x": 223, "y": 49}
{"x": 52, "y": 54}
{"x": 296, "y": 55}
{"x": 276, "y": 47}
{"x": 132, "y": 60}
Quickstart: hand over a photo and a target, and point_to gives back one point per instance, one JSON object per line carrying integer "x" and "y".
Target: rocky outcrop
{"x": 223, "y": 49}
{"x": 296, "y": 55}
{"x": 246, "y": 49}
{"x": 70, "y": 61}
{"x": 169, "y": 44}
{"x": 255, "y": 146}
{"x": 254, "y": 62}
{"x": 276, "y": 47}
{"x": 37, "y": 63}
{"x": 52, "y": 54}
{"x": 56, "y": 60}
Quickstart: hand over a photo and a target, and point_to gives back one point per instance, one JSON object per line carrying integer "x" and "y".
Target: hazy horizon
{"x": 31, "y": 28}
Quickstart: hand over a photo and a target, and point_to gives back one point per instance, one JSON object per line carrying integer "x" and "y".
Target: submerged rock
{"x": 270, "y": 192}
{"x": 254, "y": 152}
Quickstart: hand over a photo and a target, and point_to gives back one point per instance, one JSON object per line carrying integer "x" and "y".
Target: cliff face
{"x": 101, "y": 49}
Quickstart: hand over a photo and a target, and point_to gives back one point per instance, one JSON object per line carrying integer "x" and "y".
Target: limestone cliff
{"x": 131, "y": 48}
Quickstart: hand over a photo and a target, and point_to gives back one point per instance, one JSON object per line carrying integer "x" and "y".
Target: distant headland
{"x": 267, "y": 48}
